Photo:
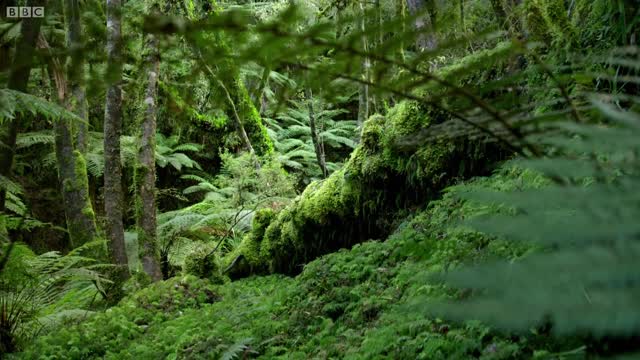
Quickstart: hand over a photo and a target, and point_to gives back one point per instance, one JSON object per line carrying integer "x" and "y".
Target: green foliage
{"x": 354, "y": 203}
{"x": 442, "y": 115}
{"x": 584, "y": 280}
{"x": 37, "y": 293}
{"x": 354, "y": 304}
{"x": 230, "y": 202}
{"x": 291, "y": 134}
{"x": 118, "y": 331}
{"x": 202, "y": 263}
{"x": 169, "y": 151}
{"x": 14, "y": 102}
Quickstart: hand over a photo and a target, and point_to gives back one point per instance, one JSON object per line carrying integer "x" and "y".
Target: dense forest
{"x": 320, "y": 179}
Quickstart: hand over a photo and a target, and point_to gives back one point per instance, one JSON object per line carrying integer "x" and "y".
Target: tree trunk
{"x": 363, "y": 92}
{"x": 78, "y": 103}
{"x": 72, "y": 170}
{"x": 317, "y": 142}
{"x": 5, "y": 48}
{"x": 401, "y": 13}
{"x": 146, "y": 170}
{"x": 462, "y": 28}
{"x": 18, "y": 79}
{"x": 113, "y": 196}
{"x": 424, "y": 23}
{"x": 258, "y": 97}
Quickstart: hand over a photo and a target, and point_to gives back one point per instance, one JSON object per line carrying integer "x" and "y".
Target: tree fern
{"x": 292, "y": 136}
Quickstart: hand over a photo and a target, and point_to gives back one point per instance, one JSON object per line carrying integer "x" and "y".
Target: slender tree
{"x": 18, "y": 79}
{"x": 75, "y": 71}
{"x": 258, "y": 96}
{"x": 317, "y": 142}
{"x": 72, "y": 170}
{"x": 146, "y": 169}
{"x": 363, "y": 92}
{"x": 113, "y": 196}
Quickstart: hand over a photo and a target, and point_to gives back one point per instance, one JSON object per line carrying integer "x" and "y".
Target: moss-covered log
{"x": 362, "y": 200}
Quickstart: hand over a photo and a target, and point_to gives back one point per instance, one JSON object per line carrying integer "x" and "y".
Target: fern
{"x": 586, "y": 279}
{"x": 38, "y": 300}
{"x": 292, "y": 136}
{"x": 14, "y": 102}
{"x": 236, "y": 350}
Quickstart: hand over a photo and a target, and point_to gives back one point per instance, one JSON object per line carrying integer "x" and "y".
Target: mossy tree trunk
{"x": 113, "y": 195}
{"x": 72, "y": 170}
{"x": 18, "y": 79}
{"x": 317, "y": 142}
{"x": 401, "y": 13}
{"x": 146, "y": 170}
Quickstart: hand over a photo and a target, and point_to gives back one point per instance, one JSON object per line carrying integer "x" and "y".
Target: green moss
{"x": 372, "y": 132}
{"x": 355, "y": 203}
{"x": 252, "y": 122}
{"x": 547, "y": 21}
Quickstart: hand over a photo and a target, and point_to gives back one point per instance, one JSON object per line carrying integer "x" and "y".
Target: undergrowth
{"x": 353, "y": 304}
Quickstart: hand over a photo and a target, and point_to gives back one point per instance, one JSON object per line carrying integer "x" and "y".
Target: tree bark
{"x": 18, "y": 80}
{"x": 146, "y": 170}
{"x": 317, "y": 142}
{"x": 401, "y": 13}
{"x": 363, "y": 92}
{"x": 113, "y": 195}
{"x": 72, "y": 170}
{"x": 424, "y": 23}
{"x": 78, "y": 103}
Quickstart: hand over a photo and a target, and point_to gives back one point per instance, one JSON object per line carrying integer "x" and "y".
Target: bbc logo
{"x": 25, "y": 11}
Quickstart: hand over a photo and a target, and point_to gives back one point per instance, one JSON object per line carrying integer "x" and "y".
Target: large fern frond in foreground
{"x": 585, "y": 279}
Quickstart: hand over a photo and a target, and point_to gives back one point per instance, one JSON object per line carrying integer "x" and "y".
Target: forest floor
{"x": 371, "y": 301}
